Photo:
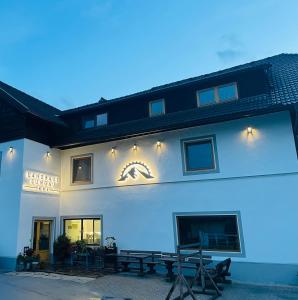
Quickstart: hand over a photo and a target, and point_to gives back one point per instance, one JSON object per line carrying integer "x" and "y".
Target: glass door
{"x": 42, "y": 239}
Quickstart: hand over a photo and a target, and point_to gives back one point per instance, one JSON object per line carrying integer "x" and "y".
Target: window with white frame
{"x": 217, "y": 94}
{"x": 82, "y": 169}
{"x": 157, "y": 107}
{"x": 102, "y": 119}
{"x": 218, "y": 232}
{"x": 199, "y": 154}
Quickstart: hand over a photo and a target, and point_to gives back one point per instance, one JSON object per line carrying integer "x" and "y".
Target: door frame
{"x": 53, "y": 232}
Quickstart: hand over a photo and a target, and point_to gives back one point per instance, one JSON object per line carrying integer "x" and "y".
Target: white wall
{"x": 37, "y": 204}
{"x": 257, "y": 177}
{"x": 10, "y": 190}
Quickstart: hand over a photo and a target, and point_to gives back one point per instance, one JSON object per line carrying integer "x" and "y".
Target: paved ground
{"x": 120, "y": 286}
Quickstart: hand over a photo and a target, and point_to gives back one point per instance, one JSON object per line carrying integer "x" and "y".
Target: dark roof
{"x": 28, "y": 104}
{"x": 282, "y": 71}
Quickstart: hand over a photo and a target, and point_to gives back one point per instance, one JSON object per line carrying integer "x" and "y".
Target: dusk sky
{"x": 72, "y": 52}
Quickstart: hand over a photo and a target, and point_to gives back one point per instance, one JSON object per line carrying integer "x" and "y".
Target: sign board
{"x": 39, "y": 182}
{"x": 135, "y": 170}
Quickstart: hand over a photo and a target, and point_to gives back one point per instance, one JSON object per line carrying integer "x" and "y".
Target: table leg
{"x": 141, "y": 267}
{"x": 170, "y": 274}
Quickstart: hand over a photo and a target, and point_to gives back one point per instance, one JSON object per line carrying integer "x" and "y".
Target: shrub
{"x": 62, "y": 248}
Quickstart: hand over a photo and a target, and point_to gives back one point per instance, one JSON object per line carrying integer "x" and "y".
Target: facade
{"x": 215, "y": 154}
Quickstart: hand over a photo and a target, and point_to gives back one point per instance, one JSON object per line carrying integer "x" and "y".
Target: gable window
{"x": 102, "y": 119}
{"x": 199, "y": 155}
{"x": 221, "y": 93}
{"x": 83, "y": 229}
{"x": 219, "y": 232}
{"x": 82, "y": 169}
{"x": 156, "y": 107}
{"x": 88, "y": 123}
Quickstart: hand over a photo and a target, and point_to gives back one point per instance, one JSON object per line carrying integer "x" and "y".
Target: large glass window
{"x": 218, "y": 232}
{"x": 82, "y": 169}
{"x": 157, "y": 107}
{"x": 199, "y": 155}
{"x": 88, "y": 230}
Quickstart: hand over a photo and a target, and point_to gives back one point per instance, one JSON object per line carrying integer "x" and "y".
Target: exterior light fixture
{"x": 249, "y": 130}
{"x": 10, "y": 150}
{"x": 134, "y": 147}
{"x": 158, "y": 144}
{"x": 113, "y": 150}
{"x": 48, "y": 154}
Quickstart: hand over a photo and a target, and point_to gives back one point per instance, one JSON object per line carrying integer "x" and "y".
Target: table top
{"x": 191, "y": 260}
{"x": 126, "y": 255}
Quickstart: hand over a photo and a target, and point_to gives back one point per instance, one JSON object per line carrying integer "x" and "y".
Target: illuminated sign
{"x": 41, "y": 182}
{"x": 135, "y": 170}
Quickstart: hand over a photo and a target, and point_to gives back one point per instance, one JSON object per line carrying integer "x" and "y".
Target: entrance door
{"x": 42, "y": 239}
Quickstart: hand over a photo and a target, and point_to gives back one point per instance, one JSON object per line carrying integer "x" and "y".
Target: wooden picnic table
{"x": 137, "y": 256}
{"x": 171, "y": 260}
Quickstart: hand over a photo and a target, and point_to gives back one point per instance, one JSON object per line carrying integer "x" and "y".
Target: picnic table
{"x": 169, "y": 261}
{"x": 128, "y": 258}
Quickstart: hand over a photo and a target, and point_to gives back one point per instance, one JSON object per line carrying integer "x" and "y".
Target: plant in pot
{"x": 20, "y": 262}
{"x": 110, "y": 248}
{"x": 28, "y": 258}
{"x": 62, "y": 249}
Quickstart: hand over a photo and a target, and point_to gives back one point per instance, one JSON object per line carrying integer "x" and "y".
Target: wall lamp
{"x": 11, "y": 149}
{"x": 158, "y": 144}
{"x": 113, "y": 150}
{"x": 134, "y": 147}
{"x": 249, "y": 130}
{"x": 48, "y": 154}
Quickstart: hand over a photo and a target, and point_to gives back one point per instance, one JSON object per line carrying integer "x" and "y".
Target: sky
{"x": 70, "y": 53}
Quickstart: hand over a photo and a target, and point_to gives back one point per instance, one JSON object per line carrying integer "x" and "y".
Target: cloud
{"x": 232, "y": 48}
{"x": 229, "y": 55}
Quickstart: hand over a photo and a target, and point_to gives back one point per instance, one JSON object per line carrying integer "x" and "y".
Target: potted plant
{"x": 62, "y": 249}
{"x": 110, "y": 248}
{"x": 28, "y": 259}
{"x": 20, "y": 263}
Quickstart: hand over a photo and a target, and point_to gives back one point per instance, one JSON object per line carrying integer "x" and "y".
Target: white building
{"x": 216, "y": 153}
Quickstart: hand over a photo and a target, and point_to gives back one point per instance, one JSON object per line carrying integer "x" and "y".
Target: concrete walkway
{"x": 121, "y": 286}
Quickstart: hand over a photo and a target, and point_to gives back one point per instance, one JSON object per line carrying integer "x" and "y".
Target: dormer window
{"x": 88, "y": 123}
{"x": 218, "y": 94}
{"x": 102, "y": 119}
{"x": 157, "y": 107}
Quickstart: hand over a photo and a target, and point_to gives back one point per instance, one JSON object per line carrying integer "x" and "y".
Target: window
{"x": 102, "y": 119}
{"x": 227, "y": 92}
{"x": 199, "y": 154}
{"x": 82, "y": 169}
{"x": 217, "y": 94}
{"x": 218, "y": 232}
{"x": 157, "y": 107}
{"x": 206, "y": 97}
{"x": 88, "y": 230}
{"x": 89, "y": 123}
